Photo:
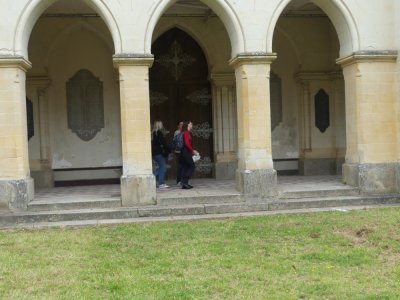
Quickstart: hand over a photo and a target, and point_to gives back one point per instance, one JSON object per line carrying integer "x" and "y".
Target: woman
{"x": 178, "y": 155}
{"x": 187, "y": 156}
{"x": 160, "y": 150}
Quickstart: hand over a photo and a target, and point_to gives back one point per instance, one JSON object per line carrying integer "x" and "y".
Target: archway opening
{"x": 180, "y": 91}
{"x": 307, "y": 93}
{"x": 191, "y": 74}
{"x": 74, "y": 90}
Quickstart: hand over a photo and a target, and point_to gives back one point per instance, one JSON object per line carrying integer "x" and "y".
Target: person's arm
{"x": 186, "y": 139}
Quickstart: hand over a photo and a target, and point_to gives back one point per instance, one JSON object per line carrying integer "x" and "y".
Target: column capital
{"x": 310, "y": 76}
{"x": 11, "y": 61}
{"x": 368, "y": 56}
{"x": 133, "y": 59}
{"x": 223, "y": 79}
{"x": 41, "y": 81}
{"x": 252, "y": 58}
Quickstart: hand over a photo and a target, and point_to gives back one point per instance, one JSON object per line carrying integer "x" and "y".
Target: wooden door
{"x": 180, "y": 91}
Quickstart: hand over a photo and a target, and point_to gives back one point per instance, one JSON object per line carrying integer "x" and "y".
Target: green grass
{"x": 336, "y": 255}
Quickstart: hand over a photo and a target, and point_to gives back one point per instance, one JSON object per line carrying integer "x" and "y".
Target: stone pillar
{"x": 225, "y": 125}
{"x": 371, "y": 121}
{"x": 255, "y": 174}
{"x": 16, "y": 185}
{"x": 41, "y": 172}
{"x": 138, "y": 184}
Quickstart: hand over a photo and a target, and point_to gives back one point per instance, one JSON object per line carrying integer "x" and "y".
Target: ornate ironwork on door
{"x": 180, "y": 91}
{"x": 176, "y": 60}
{"x": 322, "y": 121}
{"x": 29, "y": 118}
{"x": 85, "y": 105}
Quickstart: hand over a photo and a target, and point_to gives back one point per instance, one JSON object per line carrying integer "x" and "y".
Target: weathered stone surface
{"x": 378, "y": 178}
{"x": 159, "y": 211}
{"x": 225, "y": 170}
{"x": 373, "y": 178}
{"x": 43, "y": 178}
{"x": 16, "y": 194}
{"x": 200, "y": 199}
{"x": 261, "y": 183}
{"x": 350, "y": 174}
{"x": 317, "y": 166}
{"x": 235, "y": 207}
{"x": 138, "y": 190}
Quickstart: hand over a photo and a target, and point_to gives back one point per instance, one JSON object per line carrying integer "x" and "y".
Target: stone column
{"x": 225, "y": 124}
{"x": 42, "y": 172}
{"x": 255, "y": 174}
{"x": 16, "y": 185}
{"x": 371, "y": 122}
{"x": 138, "y": 184}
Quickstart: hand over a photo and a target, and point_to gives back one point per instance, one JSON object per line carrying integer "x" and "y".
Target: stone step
{"x": 319, "y": 193}
{"x": 86, "y": 223}
{"x": 123, "y": 213}
{"x": 200, "y": 199}
{"x": 254, "y": 205}
{"x": 65, "y": 204}
{"x": 339, "y": 201}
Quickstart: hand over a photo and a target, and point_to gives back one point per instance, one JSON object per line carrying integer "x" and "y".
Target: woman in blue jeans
{"x": 160, "y": 150}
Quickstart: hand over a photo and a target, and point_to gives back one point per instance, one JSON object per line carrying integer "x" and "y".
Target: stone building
{"x": 272, "y": 86}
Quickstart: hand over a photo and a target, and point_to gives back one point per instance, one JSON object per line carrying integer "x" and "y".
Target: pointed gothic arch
{"x": 221, "y": 7}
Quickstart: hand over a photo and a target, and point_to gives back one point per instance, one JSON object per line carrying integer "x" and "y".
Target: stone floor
{"x": 203, "y": 187}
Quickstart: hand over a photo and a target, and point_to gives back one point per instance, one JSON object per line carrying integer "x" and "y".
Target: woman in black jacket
{"x": 160, "y": 150}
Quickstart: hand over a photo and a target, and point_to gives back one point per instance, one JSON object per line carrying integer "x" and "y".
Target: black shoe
{"x": 191, "y": 186}
{"x": 186, "y": 187}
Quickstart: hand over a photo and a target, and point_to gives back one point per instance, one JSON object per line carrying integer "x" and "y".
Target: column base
{"x": 138, "y": 190}
{"x": 260, "y": 183}
{"x": 373, "y": 178}
{"x": 16, "y": 194}
{"x": 317, "y": 166}
{"x": 225, "y": 170}
{"x": 43, "y": 178}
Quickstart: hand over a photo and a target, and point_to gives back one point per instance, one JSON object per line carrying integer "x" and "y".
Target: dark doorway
{"x": 180, "y": 91}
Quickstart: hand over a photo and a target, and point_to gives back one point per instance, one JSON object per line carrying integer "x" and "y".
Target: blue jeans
{"x": 162, "y": 168}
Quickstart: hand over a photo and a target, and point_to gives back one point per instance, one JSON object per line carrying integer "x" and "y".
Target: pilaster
{"x": 41, "y": 170}
{"x": 318, "y": 151}
{"x": 255, "y": 174}
{"x": 225, "y": 120}
{"x": 138, "y": 184}
{"x": 16, "y": 186}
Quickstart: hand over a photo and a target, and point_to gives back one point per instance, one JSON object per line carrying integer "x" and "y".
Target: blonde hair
{"x": 157, "y": 126}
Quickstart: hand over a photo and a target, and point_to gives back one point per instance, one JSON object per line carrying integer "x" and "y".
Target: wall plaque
{"x": 322, "y": 121}
{"x": 275, "y": 84}
{"x": 85, "y": 105}
{"x": 29, "y": 118}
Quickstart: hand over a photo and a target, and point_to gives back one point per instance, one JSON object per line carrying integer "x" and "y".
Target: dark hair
{"x": 185, "y": 125}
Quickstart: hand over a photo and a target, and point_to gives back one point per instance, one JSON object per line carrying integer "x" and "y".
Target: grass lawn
{"x": 351, "y": 255}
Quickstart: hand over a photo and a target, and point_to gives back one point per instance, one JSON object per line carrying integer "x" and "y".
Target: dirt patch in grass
{"x": 357, "y": 236}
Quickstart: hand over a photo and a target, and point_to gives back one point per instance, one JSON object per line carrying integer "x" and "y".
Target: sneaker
{"x": 163, "y": 186}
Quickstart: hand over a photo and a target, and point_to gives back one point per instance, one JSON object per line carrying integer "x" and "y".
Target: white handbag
{"x": 196, "y": 157}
